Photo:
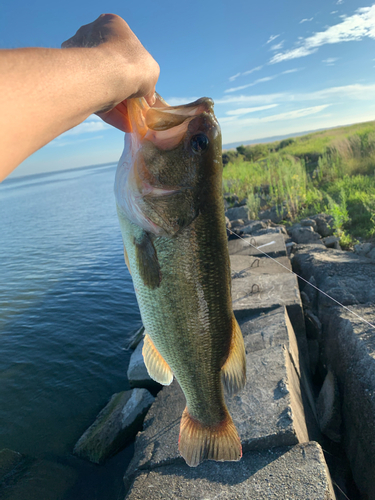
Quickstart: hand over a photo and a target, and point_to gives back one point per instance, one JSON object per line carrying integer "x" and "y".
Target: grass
{"x": 331, "y": 171}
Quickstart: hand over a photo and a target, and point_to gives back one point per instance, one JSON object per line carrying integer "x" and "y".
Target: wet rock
{"x": 329, "y": 408}
{"x": 115, "y": 426}
{"x": 237, "y": 213}
{"x": 137, "y": 372}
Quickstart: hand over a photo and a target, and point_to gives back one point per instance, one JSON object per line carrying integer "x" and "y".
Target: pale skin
{"x": 45, "y": 92}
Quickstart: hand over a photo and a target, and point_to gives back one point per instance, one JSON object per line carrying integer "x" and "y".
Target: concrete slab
{"x": 268, "y": 412}
{"x": 298, "y": 473}
{"x": 274, "y": 245}
{"x": 349, "y": 347}
{"x": 252, "y": 291}
{"x": 246, "y": 265}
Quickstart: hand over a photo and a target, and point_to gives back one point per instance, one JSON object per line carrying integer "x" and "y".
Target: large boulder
{"x": 237, "y": 213}
{"x": 115, "y": 426}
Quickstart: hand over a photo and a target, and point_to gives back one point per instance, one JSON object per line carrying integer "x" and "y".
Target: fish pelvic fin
{"x": 198, "y": 442}
{"x": 157, "y": 367}
{"x": 233, "y": 372}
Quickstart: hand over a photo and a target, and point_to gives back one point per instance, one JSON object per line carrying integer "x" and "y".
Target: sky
{"x": 273, "y": 68}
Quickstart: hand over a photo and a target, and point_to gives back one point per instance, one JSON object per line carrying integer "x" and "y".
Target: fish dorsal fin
{"x": 147, "y": 261}
{"x": 157, "y": 368}
{"x": 233, "y": 372}
{"x": 198, "y": 442}
{"x": 127, "y": 260}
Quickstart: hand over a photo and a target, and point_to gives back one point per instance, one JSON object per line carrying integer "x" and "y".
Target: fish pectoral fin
{"x": 127, "y": 260}
{"x": 198, "y": 442}
{"x": 157, "y": 367}
{"x": 233, "y": 372}
{"x": 147, "y": 261}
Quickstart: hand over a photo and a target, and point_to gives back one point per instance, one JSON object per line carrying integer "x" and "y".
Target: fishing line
{"x": 301, "y": 278}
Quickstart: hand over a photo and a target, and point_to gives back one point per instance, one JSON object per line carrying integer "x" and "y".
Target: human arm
{"x": 45, "y": 92}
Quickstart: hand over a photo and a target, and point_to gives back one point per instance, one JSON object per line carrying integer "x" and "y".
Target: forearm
{"x": 44, "y": 92}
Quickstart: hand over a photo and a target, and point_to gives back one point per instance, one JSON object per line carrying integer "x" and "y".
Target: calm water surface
{"x": 67, "y": 306}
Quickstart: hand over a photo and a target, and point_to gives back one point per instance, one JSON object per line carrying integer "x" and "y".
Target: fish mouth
{"x": 163, "y": 125}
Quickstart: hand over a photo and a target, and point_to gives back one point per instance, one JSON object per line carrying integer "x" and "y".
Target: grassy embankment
{"x": 331, "y": 171}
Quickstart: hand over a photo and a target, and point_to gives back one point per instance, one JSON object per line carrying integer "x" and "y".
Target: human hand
{"x": 134, "y": 74}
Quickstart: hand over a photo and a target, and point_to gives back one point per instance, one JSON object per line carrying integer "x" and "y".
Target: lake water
{"x": 67, "y": 308}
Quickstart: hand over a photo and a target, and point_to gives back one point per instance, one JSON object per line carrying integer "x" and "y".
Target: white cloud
{"x": 177, "y": 101}
{"x": 232, "y": 78}
{"x": 356, "y": 92}
{"x": 272, "y": 38}
{"x": 306, "y": 20}
{"x": 278, "y": 46}
{"x": 260, "y": 80}
{"x": 245, "y": 111}
{"x": 60, "y": 142}
{"x": 289, "y": 115}
{"x": 330, "y": 61}
{"x": 356, "y": 27}
{"x": 252, "y": 70}
{"x": 339, "y": 2}
{"x": 334, "y": 12}
{"x": 93, "y": 125}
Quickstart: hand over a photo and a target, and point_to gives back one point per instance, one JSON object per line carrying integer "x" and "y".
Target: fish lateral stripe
{"x": 157, "y": 367}
{"x": 219, "y": 442}
{"x": 233, "y": 372}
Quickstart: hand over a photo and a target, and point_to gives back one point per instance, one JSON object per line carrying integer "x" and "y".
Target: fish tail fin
{"x": 198, "y": 442}
{"x": 233, "y": 372}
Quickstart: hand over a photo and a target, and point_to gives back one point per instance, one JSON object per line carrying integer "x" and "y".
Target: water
{"x": 67, "y": 307}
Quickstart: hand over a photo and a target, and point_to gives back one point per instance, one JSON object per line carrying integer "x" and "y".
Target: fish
{"x": 168, "y": 190}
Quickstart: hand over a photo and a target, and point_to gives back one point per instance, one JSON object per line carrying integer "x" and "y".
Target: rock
{"x": 135, "y": 338}
{"x": 115, "y": 426}
{"x": 305, "y": 234}
{"x": 254, "y": 226}
{"x": 275, "y": 214}
{"x": 237, "y": 213}
{"x": 297, "y": 473}
{"x": 228, "y": 223}
{"x": 332, "y": 242}
{"x": 237, "y": 222}
{"x": 270, "y": 411}
{"x": 9, "y": 459}
{"x": 363, "y": 249}
{"x": 329, "y": 408}
{"x": 308, "y": 223}
{"x": 313, "y": 325}
{"x": 324, "y": 224}
{"x": 371, "y": 254}
{"x": 137, "y": 372}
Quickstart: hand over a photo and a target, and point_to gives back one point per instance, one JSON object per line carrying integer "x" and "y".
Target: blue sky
{"x": 272, "y": 68}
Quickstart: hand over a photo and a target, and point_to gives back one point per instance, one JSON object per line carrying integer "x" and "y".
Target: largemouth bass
{"x": 169, "y": 200}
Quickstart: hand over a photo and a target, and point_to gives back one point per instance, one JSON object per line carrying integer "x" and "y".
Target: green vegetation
{"x": 331, "y": 171}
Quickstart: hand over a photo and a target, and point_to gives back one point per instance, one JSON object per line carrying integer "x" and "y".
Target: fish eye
{"x": 199, "y": 143}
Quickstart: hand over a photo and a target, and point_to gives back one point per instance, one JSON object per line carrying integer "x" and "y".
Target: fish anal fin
{"x": 233, "y": 372}
{"x": 198, "y": 442}
{"x": 157, "y": 367}
{"x": 127, "y": 260}
{"x": 147, "y": 261}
